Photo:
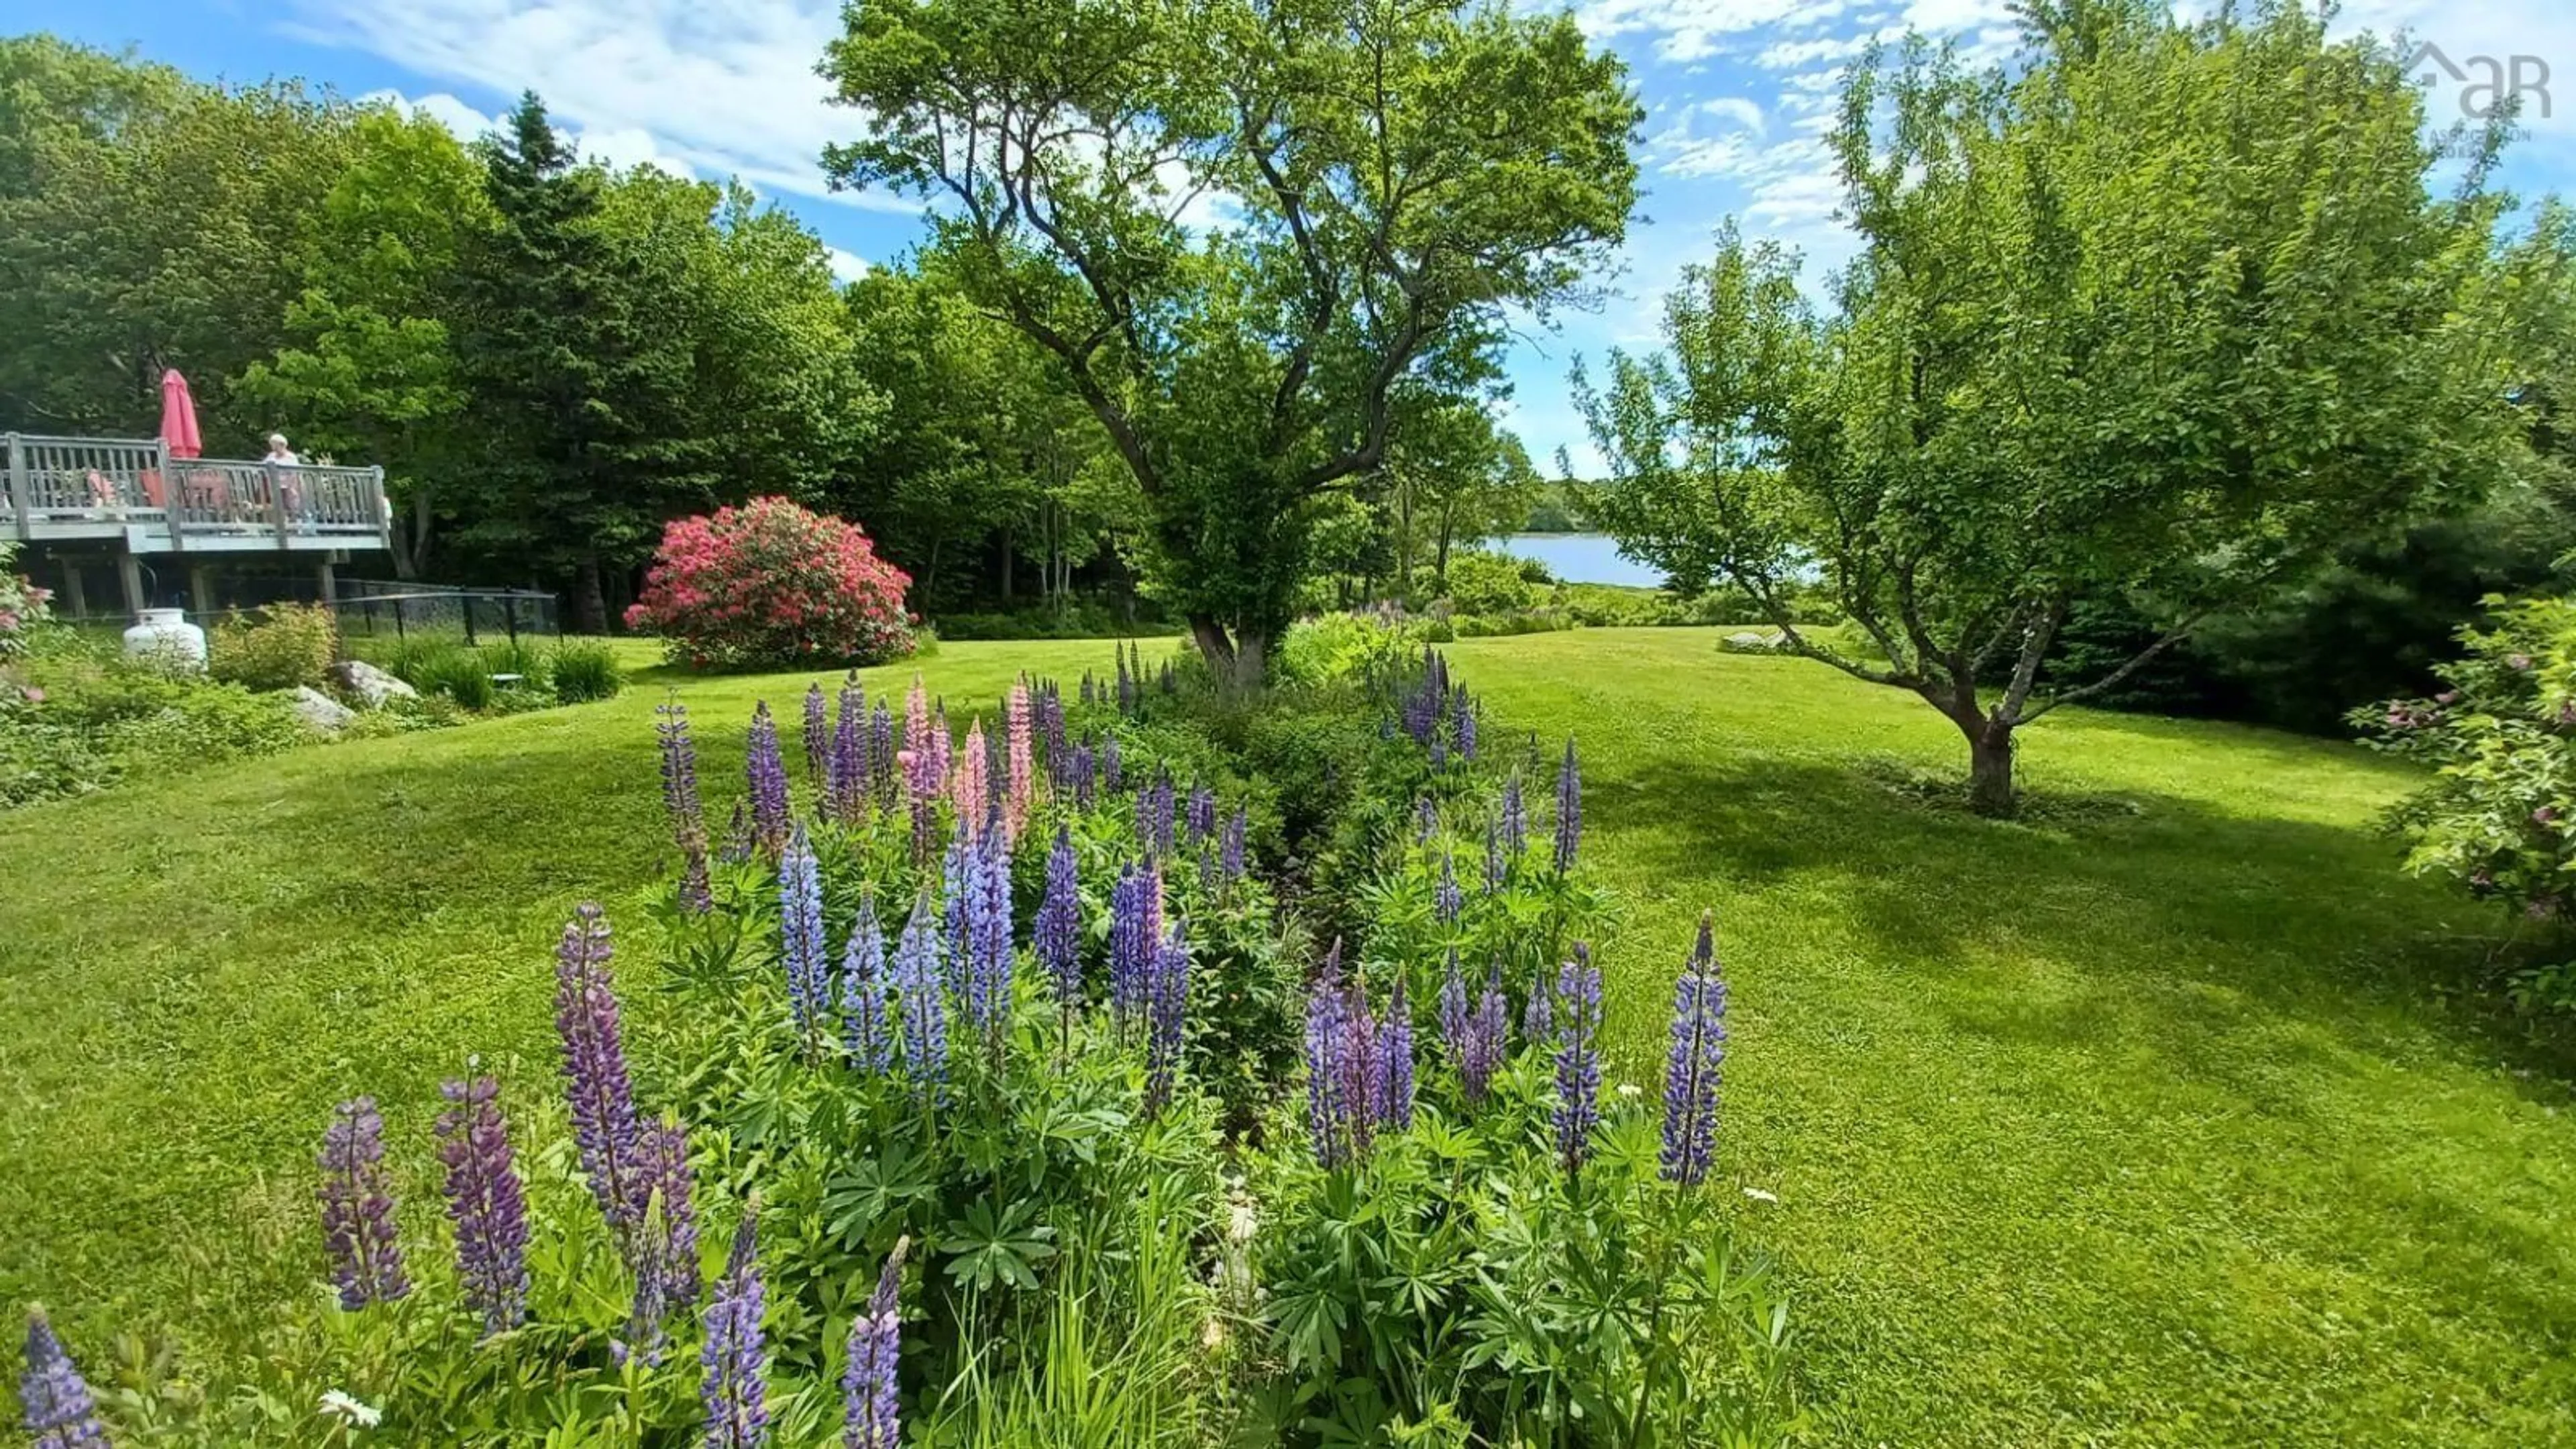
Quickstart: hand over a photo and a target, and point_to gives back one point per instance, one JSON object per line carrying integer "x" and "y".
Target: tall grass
{"x": 1124, "y": 1353}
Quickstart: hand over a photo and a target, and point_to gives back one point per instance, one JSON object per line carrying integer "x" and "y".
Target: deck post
{"x": 384, "y": 509}
{"x": 19, "y": 486}
{"x": 201, "y": 590}
{"x": 322, "y": 576}
{"x": 129, "y": 572}
{"x": 72, "y": 593}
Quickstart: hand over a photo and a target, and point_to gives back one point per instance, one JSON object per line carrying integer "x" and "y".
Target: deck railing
{"x": 69, "y": 486}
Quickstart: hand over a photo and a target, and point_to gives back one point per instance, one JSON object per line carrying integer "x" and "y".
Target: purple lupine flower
{"x": 1515, "y": 817}
{"x": 1447, "y": 899}
{"x": 1202, "y": 812}
{"x": 873, "y": 1415}
{"x": 943, "y": 748}
{"x": 800, "y": 937}
{"x": 736, "y": 1360}
{"x": 925, "y": 1013}
{"x": 1538, "y": 1016}
{"x": 1578, "y": 1059}
{"x": 988, "y": 934}
{"x": 1569, "y": 809}
{"x": 1453, "y": 1015}
{"x": 1426, "y": 820}
{"x": 885, "y": 772}
{"x": 1083, "y": 769}
{"x": 59, "y": 1410}
{"x": 680, "y": 799}
{"x": 1059, "y": 753}
{"x": 679, "y": 770}
{"x": 1112, "y": 770}
{"x": 1166, "y": 1016}
{"x": 1090, "y": 690}
{"x": 697, "y": 890}
{"x": 1154, "y": 816}
{"x": 1135, "y": 935}
{"x": 1698, "y": 1059}
{"x": 1487, "y": 1033}
{"x": 1463, "y": 723}
{"x": 1171, "y": 682}
{"x": 768, "y": 776}
{"x": 955, "y": 891}
{"x": 486, "y": 1202}
{"x": 1439, "y": 752}
{"x": 845, "y": 776}
{"x": 1058, "y": 928}
{"x": 1126, "y": 686}
{"x": 1422, "y": 707}
{"x": 669, "y": 1252}
{"x": 358, "y": 1208}
{"x": 1395, "y": 1060}
{"x": 1230, "y": 854}
{"x": 1363, "y": 1069}
{"x": 863, "y": 993}
{"x": 818, "y": 735}
{"x": 1325, "y": 1111}
{"x": 737, "y": 842}
{"x": 596, "y": 1083}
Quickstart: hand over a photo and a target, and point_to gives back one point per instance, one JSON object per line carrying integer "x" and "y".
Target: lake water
{"x": 1581, "y": 558}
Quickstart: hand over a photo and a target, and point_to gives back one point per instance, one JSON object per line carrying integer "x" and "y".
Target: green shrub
{"x": 1333, "y": 647}
{"x": 285, "y": 646}
{"x": 81, "y": 724}
{"x": 2499, "y": 818}
{"x": 459, "y": 673}
{"x": 1489, "y": 583}
{"x": 584, "y": 670}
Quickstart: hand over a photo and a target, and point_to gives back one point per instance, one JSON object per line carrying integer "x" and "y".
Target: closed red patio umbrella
{"x": 178, "y": 429}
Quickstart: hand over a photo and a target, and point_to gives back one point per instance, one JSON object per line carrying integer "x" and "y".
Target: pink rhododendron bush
{"x": 771, "y": 583}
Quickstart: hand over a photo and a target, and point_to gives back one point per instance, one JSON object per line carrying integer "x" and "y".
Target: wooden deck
{"x": 131, "y": 496}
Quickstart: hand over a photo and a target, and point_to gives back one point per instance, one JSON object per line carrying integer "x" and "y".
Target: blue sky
{"x": 1737, "y": 91}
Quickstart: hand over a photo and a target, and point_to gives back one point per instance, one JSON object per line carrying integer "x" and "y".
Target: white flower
{"x": 1629, "y": 1091}
{"x": 1758, "y": 1195}
{"x": 341, "y": 1406}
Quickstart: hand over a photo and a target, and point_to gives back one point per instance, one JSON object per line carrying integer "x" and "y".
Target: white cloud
{"x": 1691, "y": 30}
{"x": 719, "y": 88}
{"x": 623, "y": 148}
{"x": 847, "y": 266}
{"x": 465, "y": 121}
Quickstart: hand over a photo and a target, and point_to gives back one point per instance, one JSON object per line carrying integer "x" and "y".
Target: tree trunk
{"x": 1010, "y": 552}
{"x": 1990, "y": 770}
{"x": 1240, "y": 661}
{"x": 590, "y": 601}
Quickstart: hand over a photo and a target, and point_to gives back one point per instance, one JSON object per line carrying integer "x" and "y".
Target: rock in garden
{"x": 369, "y": 685}
{"x": 320, "y": 710}
{"x": 1750, "y": 640}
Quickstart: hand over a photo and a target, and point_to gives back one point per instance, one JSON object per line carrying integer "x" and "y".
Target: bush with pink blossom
{"x": 773, "y": 584}
{"x": 22, "y": 605}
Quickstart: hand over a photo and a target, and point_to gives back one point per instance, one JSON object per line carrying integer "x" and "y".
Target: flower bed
{"x": 994, "y": 1094}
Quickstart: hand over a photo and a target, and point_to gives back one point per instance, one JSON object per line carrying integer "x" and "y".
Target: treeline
{"x": 550, "y": 358}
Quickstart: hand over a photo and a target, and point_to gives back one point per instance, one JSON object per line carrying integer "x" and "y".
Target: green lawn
{"x": 2144, "y": 1122}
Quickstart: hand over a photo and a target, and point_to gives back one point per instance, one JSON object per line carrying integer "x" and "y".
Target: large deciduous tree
{"x": 2167, "y": 310}
{"x": 1241, "y": 227}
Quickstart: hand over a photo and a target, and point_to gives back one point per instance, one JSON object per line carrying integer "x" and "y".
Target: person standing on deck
{"x": 282, "y": 456}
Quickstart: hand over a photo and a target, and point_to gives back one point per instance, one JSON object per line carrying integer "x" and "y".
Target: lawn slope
{"x": 2141, "y": 1122}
